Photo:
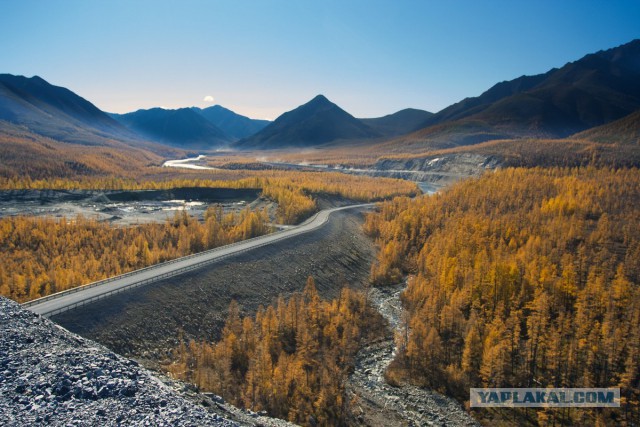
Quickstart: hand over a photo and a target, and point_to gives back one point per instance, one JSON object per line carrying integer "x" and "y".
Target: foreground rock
{"x": 49, "y": 376}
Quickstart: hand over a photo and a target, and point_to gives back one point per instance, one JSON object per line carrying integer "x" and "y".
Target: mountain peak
{"x": 320, "y": 98}
{"x": 317, "y": 122}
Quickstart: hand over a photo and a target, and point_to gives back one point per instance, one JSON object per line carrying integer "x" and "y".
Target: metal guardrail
{"x": 144, "y": 282}
{"x": 298, "y": 230}
{"x": 162, "y": 264}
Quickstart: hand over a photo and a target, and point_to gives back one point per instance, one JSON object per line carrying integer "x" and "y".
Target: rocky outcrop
{"x": 443, "y": 169}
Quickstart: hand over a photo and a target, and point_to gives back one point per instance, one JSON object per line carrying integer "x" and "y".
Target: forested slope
{"x": 292, "y": 359}
{"x": 520, "y": 278}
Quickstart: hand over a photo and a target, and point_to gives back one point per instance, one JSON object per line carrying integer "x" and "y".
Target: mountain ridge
{"x": 596, "y": 89}
{"x": 591, "y": 91}
{"x": 56, "y": 112}
{"x": 182, "y": 128}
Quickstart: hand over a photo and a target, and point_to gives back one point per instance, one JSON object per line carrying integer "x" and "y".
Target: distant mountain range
{"x": 55, "y": 112}
{"x": 320, "y": 121}
{"x": 191, "y": 128}
{"x": 593, "y": 91}
{"x": 58, "y": 113}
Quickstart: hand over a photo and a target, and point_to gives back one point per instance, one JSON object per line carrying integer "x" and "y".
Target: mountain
{"x": 317, "y": 122}
{"x": 470, "y": 106}
{"x": 232, "y": 124}
{"x": 597, "y": 89}
{"x": 399, "y": 123}
{"x": 49, "y": 131}
{"x": 183, "y": 128}
{"x": 55, "y": 112}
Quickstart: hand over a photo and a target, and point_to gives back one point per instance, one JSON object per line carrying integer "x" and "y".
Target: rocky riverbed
{"x": 377, "y": 403}
{"x": 125, "y": 208}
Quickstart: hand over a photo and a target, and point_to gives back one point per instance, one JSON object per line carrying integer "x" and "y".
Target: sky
{"x": 264, "y": 57}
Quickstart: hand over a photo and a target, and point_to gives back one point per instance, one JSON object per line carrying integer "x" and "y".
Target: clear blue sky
{"x": 261, "y": 58}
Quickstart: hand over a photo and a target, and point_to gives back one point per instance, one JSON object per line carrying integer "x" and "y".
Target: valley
{"x": 325, "y": 266}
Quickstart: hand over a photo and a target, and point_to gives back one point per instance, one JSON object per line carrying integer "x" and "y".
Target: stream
{"x": 380, "y": 404}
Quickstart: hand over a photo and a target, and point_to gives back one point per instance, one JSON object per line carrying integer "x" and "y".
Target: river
{"x": 187, "y": 163}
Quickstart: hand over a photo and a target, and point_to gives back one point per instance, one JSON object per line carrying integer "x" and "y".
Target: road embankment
{"x": 146, "y": 322}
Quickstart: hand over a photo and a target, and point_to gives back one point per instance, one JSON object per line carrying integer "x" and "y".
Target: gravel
{"x": 378, "y": 403}
{"x": 49, "y": 376}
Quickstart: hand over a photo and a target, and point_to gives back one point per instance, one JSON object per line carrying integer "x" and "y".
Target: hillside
{"x": 56, "y": 112}
{"x": 317, "y": 122}
{"x": 183, "y": 128}
{"x": 399, "y": 123}
{"x": 623, "y": 131}
{"x": 592, "y": 91}
{"x": 232, "y": 124}
{"x": 25, "y": 154}
{"x": 512, "y": 272}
